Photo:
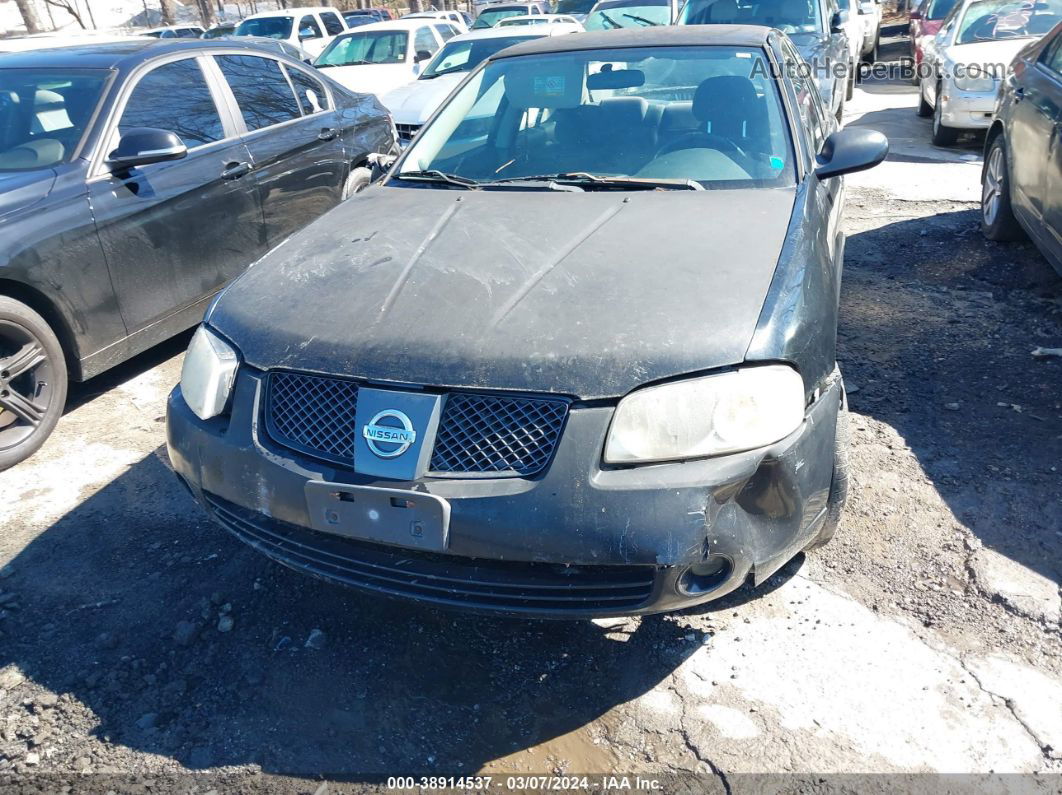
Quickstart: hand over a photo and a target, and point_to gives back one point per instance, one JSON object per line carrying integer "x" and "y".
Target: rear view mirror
{"x": 849, "y": 150}
{"x": 140, "y": 146}
{"x": 838, "y": 22}
{"x": 616, "y": 78}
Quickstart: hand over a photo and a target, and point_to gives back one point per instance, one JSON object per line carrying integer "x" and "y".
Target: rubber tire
{"x": 838, "y": 484}
{"x": 925, "y": 110}
{"x": 1006, "y": 226}
{"x": 358, "y": 180}
{"x": 942, "y": 136}
{"x": 12, "y": 310}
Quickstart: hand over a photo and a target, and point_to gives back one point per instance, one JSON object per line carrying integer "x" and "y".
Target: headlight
{"x": 208, "y": 374}
{"x": 975, "y": 81}
{"x": 725, "y": 413}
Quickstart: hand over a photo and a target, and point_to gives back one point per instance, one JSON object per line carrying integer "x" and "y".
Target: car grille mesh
{"x": 407, "y": 131}
{"x": 477, "y": 435}
{"x": 486, "y": 433}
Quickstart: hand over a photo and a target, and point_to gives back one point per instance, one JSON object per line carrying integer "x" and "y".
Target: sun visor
{"x": 545, "y": 83}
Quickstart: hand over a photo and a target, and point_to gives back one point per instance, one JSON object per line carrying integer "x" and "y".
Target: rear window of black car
{"x": 261, "y": 90}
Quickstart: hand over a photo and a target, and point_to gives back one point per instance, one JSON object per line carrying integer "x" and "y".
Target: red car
{"x": 926, "y": 19}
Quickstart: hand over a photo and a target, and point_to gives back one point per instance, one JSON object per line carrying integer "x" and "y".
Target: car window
{"x": 174, "y": 97}
{"x": 424, "y": 41}
{"x": 493, "y": 16}
{"x": 332, "y": 23}
{"x": 308, "y": 29}
{"x": 446, "y": 32}
{"x": 1052, "y": 56}
{"x": 261, "y": 90}
{"x": 370, "y": 47}
{"x": 267, "y": 27}
{"x": 807, "y": 96}
{"x": 310, "y": 92}
{"x": 706, "y": 113}
{"x": 938, "y": 9}
{"x": 789, "y": 16}
{"x": 992, "y": 20}
{"x": 62, "y": 102}
{"x": 465, "y": 55}
{"x": 612, "y": 14}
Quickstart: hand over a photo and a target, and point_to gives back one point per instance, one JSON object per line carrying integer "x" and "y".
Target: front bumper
{"x": 967, "y": 110}
{"x": 578, "y": 540}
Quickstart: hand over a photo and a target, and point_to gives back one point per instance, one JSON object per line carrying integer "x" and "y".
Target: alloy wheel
{"x": 992, "y": 191}
{"x": 26, "y": 384}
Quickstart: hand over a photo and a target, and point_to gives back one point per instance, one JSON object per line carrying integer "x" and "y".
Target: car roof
{"x": 113, "y": 54}
{"x": 662, "y": 36}
{"x": 498, "y": 33}
{"x": 390, "y": 24}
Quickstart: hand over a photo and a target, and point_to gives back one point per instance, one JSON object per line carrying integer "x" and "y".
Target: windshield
{"x": 464, "y": 56}
{"x": 43, "y": 114}
{"x": 612, "y": 14}
{"x": 521, "y": 21}
{"x": 573, "y": 6}
{"x": 938, "y": 9}
{"x": 641, "y": 114}
{"x": 789, "y": 16}
{"x": 493, "y": 16}
{"x": 269, "y": 27}
{"x": 369, "y": 47}
{"x": 991, "y": 20}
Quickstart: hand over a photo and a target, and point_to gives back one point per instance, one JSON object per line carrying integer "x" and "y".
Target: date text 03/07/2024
{"x": 520, "y": 783}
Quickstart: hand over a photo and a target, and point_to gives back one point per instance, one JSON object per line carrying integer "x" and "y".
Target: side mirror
{"x": 422, "y": 55}
{"x": 143, "y": 145}
{"x": 380, "y": 164}
{"x": 849, "y": 150}
{"x": 838, "y": 22}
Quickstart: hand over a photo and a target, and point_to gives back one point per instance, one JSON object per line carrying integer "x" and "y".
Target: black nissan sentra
{"x": 573, "y": 357}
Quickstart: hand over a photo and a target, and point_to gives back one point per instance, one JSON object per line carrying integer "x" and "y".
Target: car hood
{"x": 986, "y": 52}
{"x": 375, "y": 79}
{"x": 585, "y": 294}
{"x": 20, "y": 189}
{"x": 414, "y": 102}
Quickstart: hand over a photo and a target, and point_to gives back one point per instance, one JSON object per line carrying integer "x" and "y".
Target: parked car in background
{"x": 311, "y": 29}
{"x": 854, "y": 30}
{"x": 678, "y": 426}
{"x": 870, "y": 13}
{"x": 414, "y": 103}
{"x": 816, "y": 27}
{"x": 377, "y": 58}
{"x": 926, "y": 19}
{"x": 494, "y": 13}
{"x": 1022, "y": 174}
{"x": 146, "y": 175}
{"x": 378, "y": 14}
{"x": 173, "y": 32}
{"x": 558, "y": 23}
{"x": 219, "y": 31}
{"x": 613, "y": 14}
{"x": 967, "y": 60}
{"x": 455, "y": 18}
{"x": 281, "y": 46}
{"x": 358, "y": 20}
{"x": 576, "y": 8}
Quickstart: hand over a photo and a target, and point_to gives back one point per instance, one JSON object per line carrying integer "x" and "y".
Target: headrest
{"x": 545, "y": 83}
{"x": 731, "y": 92}
{"x": 45, "y": 152}
{"x": 723, "y": 11}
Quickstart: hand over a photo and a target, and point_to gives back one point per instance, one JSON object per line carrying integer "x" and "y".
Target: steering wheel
{"x": 703, "y": 140}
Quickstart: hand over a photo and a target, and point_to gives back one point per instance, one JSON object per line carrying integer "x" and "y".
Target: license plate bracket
{"x": 371, "y": 513}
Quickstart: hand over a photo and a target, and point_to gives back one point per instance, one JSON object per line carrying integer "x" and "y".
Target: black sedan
{"x": 136, "y": 179}
{"x": 592, "y": 372}
{"x": 1022, "y": 176}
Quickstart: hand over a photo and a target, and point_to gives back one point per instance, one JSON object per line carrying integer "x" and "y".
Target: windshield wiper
{"x": 643, "y": 20}
{"x": 584, "y": 178}
{"x": 433, "y": 75}
{"x": 434, "y": 175}
{"x": 610, "y": 20}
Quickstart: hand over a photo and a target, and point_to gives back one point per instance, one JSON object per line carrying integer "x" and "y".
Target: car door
{"x": 1033, "y": 135}
{"x": 292, "y": 132}
{"x": 1049, "y": 99}
{"x": 175, "y": 232}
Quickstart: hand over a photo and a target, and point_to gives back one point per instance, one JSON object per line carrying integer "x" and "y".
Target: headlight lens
{"x": 976, "y": 81}
{"x": 208, "y": 374}
{"x": 726, "y": 413}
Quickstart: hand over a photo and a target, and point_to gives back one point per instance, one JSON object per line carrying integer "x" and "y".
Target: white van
{"x": 312, "y": 29}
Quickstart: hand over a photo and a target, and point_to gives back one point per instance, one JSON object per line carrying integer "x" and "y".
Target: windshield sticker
{"x": 549, "y": 86}
{"x": 777, "y": 162}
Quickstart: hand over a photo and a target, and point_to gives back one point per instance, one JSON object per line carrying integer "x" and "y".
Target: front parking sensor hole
{"x": 702, "y": 578}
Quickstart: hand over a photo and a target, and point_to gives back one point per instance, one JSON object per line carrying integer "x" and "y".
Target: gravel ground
{"x": 139, "y": 642}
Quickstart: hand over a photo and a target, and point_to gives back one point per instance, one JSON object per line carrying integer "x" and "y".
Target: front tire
{"x": 942, "y": 136}
{"x": 358, "y": 180}
{"x": 33, "y": 382}
{"x": 838, "y": 484}
{"x": 997, "y": 214}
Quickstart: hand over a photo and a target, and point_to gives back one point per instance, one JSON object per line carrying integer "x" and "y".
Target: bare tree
{"x": 29, "y": 16}
{"x": 169, "y": 12}
{"x": 206, "y": 12}
{"x": 68, "y": 7}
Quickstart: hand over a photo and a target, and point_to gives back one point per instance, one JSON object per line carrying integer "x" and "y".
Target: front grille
{"x": 407, "y": 131}
{"x": 487, "y": 433}
{"x": 478, "y": 434}
{"x": 443, "y": 579}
